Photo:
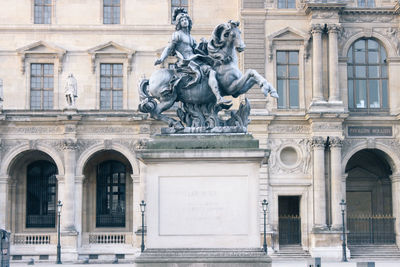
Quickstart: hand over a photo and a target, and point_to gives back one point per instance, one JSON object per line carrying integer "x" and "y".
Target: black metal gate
{"x": 371, "y": 229}
{"x": 289, "y": 229}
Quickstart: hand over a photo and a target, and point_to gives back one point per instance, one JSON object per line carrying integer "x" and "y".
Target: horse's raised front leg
{"x": 266, "y": 87}
{"x": 242, "y": 85}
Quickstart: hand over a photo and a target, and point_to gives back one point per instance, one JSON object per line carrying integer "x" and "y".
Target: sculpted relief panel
{"x": 290, "y": 156}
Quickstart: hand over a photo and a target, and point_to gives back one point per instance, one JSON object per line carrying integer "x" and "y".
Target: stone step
{"x": 375, "y": 251}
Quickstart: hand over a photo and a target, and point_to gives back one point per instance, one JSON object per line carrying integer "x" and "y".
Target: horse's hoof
{"x": 274, "y": 94}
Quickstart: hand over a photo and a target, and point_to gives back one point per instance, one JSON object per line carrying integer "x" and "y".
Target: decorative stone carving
{"x": 202, "y": 76}
{"x": 325, "y": 15}
{"x": 334, "y": 28}
{"x": 345, "y": 34}
{"x": 393, "y": 35}
{"x": 69, "y": 144}
{"x": 316, "y": 29}
{"x": 349, "y": 144}
{"x": 335, "y": 142}
{"x": 84, "y": 144}
{"x": 296, "y": 129}
{"x": 318, "y": 142}
{"x": 279, "y": 146}
{"x": 108, "y": 144}
{"x": 367, "y": 18}
{"x": 106, "y": 129}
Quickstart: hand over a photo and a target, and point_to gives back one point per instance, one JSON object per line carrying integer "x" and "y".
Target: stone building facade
{"x": 333, "y": 134}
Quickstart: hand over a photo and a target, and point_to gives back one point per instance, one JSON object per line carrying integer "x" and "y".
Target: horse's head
{"x": 227, "y": 34}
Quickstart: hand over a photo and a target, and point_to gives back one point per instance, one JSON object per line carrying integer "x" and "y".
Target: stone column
{"x": 395, "y": 178}
{"x": 3, "y": 200}
{"x": 336, "y": 182}
{"x": 68, "y": 211}
{"x": 334, "y": 92}
{"x": 318, "y": 144}
{"x": 316, "y": 31}
{"x": 78, "y": 206}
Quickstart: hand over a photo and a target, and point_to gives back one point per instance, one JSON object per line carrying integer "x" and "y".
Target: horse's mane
{"x": 217, "y": 42}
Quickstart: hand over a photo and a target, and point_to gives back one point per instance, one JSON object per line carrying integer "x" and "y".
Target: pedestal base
{"x": 203, "y": 258}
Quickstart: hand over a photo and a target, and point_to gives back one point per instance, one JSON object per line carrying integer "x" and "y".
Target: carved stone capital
{"x": 318, "y": 142}
{"x": 316, "y": 29}
{"x": 69, "y": 144}
{"x": 334, "y": 28}
{"x": 336, "y": 142}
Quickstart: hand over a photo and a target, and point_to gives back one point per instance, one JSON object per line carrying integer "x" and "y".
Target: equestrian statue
{"x": 203, "y": 74}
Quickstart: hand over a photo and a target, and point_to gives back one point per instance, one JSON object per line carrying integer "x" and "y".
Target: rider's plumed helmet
{"x": 179, "y": 13}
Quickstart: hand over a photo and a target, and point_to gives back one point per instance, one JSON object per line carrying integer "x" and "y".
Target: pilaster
{"x": 4, "y": 180}
{"x": 334, "y": 92}
{"x": 337, "y": 192}
{"x": 316, "y": 31}
{"x": 318, "y": 144}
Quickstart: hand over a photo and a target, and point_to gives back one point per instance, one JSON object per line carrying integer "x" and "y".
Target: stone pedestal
{"x": 202, "y": 200}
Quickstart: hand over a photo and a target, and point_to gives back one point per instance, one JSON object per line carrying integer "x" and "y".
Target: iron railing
{"x": 371, "y": 229}
{"x": 289, "y": 229}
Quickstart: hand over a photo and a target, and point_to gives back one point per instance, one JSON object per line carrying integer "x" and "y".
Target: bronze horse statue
{"x": 157, "y": 96}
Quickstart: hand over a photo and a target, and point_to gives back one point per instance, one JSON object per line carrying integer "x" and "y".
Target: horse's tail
{"x": 147, "y": 102}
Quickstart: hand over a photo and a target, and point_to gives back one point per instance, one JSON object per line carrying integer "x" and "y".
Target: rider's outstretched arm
{"x": 169, "y": 49}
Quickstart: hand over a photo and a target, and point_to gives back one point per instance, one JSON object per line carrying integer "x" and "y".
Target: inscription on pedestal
{"x": 203, "y": 206}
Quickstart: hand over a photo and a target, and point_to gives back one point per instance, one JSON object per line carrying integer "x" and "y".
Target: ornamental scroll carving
{"x": 391, "y": 34}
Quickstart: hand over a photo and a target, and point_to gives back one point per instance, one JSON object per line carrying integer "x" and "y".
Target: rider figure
{"x": 183, "y": 45}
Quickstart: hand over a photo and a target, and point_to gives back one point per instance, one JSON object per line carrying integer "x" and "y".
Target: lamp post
{"x": 142, "y": 209}
{"x": 265, "y": 206}
{"x": 59, "y": 208}
{"x": 343, "y": 208}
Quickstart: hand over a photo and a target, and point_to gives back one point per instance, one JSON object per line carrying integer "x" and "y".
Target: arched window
{"x": 111, "y": 188}
{"x": 367, "y": 76}
{"x": 41, "y": 194}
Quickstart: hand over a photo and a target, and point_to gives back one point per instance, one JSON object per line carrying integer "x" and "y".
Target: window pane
{"x": 282, "y": 93}
{"x": 384, "y": 72}
{"x": 281, "y": 57}
{"x": 105, "y": 100}
{"x": 294, "y": 57}
{"x": 360, "y": 57}
{"x": 350, "y": 71}
{"x": 36, "y": 99}
{"x": 361, "y": 72}
{"x": 373, "y": 57}
{"x": 350, "y": 56}
{"x": 117, "y": 99}
{"x": 374, "y": 101}
{"x": 361, "y": 94}
{"x": 294, "y": 93}
{"x": 282, "y": 71}
{"x": 293, "y": 71}
{"x": 291, "y": 3}
{"x": 373, "y": 71}
{"x": 383, "y": 55}
{"x": 385, "y": 96}
{"x": 351, "y": 93}
{"x": 281, "y": 3}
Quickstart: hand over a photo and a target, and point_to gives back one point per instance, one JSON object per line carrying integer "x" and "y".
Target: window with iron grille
{"x": 178, "y": 3}
{"x": 41, "y": 195}
{"x": 111, "y": 76}
{"x": 111, "y": 188}
{"x": 42, "y": 11}
{"x": 287, "y": 4}
{"x": 111, "y": 11}
{"x": 366, "y": 3}
{"x": 367, "y": 76}
{"x": 42, "y": 86}
{"x": 287, "y": 68}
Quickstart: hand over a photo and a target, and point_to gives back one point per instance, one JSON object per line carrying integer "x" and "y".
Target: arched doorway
{"x": 107, "y": 206}
{"x": 369, "y": 199}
